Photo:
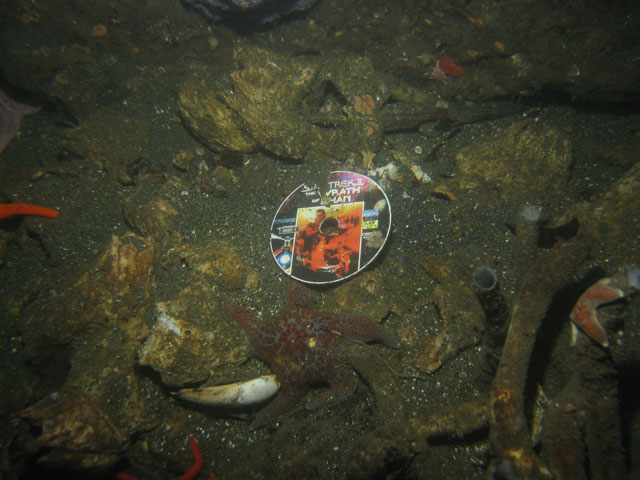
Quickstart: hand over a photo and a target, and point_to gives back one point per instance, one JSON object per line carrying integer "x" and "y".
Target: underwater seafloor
{"x": 507, "y": 138}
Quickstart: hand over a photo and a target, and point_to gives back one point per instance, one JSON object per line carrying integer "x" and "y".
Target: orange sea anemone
{"x": 450, "y": 67}
{"x": 99, "y": 30}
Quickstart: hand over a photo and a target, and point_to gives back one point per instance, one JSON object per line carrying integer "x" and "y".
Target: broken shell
{"x": 234, "y": 394}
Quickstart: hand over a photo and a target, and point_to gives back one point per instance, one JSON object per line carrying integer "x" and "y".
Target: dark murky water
{"x": 168, "y": 143}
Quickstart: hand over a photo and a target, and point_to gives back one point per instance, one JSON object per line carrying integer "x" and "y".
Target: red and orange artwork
{"x": 328, "y": 240}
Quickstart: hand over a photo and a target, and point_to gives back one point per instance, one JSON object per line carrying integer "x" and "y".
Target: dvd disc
{"x": 328, "y": 233}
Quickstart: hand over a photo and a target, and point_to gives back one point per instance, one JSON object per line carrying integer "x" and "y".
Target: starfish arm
{"x": 584, "y": 317}
{"x": 359, "y": 327}
{"x": 585, "y": 313}
{"x": 342, "y": 383}
{"x": 243, "y": 316}
{"x": 286, "y": 399}
{"x": 305, "y": 347}
{"x": 594, "y": 329}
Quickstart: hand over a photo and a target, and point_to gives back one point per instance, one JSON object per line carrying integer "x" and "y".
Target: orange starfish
{"x": 584, "y": 316}
{"x": 9, "y": 209}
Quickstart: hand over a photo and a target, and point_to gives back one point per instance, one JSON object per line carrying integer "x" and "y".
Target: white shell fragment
{"x": 234, "y": 394}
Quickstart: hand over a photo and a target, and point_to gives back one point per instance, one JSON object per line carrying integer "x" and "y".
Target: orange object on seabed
{"x": 190, "y": 474}
{"x": 450, "y": 67}
{"x": 9, "y": 209}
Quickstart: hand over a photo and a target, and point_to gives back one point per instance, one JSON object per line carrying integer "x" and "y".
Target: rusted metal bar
{"x": 510, "y": 436}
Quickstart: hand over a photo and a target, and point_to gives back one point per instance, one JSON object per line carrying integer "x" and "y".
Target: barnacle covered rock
{"x": 75, "y": 430}
{"x": 526, "y": 162}
{"x": 115, "y": 290}
{"x": 297, "y": 107}
{"x": 191, "y": 340}
{"x": 88, "y": 339}
{"x": 608, "y": 218}
{"x": 219, "y": 262}
{"x": 215, "y": 124}
{"x": 156, "y": 218}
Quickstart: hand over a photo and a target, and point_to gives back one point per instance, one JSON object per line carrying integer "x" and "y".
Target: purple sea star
{"x": 305, "y": 348}
{"x": 11, "y": 114}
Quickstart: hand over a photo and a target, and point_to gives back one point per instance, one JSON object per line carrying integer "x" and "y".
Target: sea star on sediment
{"x": 11, "y": 114}
{"x": 305, "y": 348}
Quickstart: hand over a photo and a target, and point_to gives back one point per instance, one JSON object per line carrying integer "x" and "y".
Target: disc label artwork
{"x": 327, "y": 233}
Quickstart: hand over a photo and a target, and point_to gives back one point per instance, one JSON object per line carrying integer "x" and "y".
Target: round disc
{"x": 328, "y": 233}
